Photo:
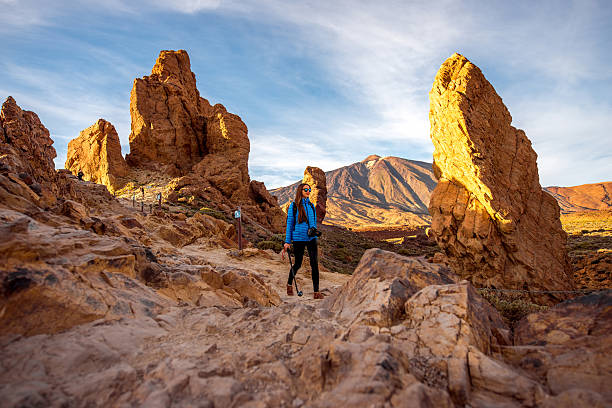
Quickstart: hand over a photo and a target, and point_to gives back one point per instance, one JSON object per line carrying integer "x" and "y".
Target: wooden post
{"x": 238, "y": 216}
{"x": 134, "y": 200}
{"x": 240, "y": 234}
{"x": 159, "y": 196}
{"x": 142, "y": 207}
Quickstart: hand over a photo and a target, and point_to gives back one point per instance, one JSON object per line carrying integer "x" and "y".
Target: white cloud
{"x": 187, "y": 6}
{"x": 382, "y": 57}
{"x": 385, "y": 57}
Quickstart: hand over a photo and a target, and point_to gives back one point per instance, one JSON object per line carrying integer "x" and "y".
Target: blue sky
{"x": 323, "y": 83}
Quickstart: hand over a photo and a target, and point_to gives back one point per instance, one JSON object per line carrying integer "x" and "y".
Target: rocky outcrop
{"x": 567, "y": 349}
{"x": 381, "y": 284}
{"x": 173, "y": 126}
{"x": 393, "y": 339}
{"x": 167, "y": 125}
{"x": 315, "y": 178}
{"x": 259, "y": 194}
{"x": 177, "y": 132}
{"x": 56, "y": 278}
{"x": 97, "y": 153}
{"x": 225, "y": 165}
{"x": 489, "y": 212}
{"x": 26, "y": 150}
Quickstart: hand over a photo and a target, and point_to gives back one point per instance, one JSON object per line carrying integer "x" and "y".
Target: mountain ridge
{"x": 393, "y": 191}
{"x": 375, "y": 191}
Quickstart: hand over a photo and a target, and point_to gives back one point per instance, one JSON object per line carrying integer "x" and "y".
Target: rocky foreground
{"x": 400, "y": 332}
{"x": 103, "y": 305}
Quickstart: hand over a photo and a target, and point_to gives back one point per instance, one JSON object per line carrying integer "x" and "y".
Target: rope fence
{"x": 546, "y": 291}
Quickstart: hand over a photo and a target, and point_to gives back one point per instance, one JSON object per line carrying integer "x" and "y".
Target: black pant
{"x": 298, "y": 250}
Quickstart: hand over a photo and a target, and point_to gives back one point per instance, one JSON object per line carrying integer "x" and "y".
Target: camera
{"x": 313, "y": 232}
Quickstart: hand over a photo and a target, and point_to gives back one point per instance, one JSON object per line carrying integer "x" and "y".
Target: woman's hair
{"x": 298, "y": 201}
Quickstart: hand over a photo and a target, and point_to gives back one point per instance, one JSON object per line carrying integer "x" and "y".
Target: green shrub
{"x": 274, "y": 245}
{"x": 512, "y": 306}
{"x": 408, "y": 252}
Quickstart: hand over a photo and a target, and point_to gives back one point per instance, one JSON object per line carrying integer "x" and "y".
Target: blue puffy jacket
{"x": 300, "y": 233}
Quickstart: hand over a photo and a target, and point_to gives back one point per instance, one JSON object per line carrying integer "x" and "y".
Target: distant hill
{"x": 377, "y": 191}
{"x": 586, "y": 197}
{"x": 391, "y": 191}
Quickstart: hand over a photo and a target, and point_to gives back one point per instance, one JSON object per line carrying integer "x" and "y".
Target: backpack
{"x": 295, "y": 215}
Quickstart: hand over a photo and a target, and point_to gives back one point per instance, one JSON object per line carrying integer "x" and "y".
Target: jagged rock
{"x": 259, "y": 194}
{"x": 315, "y": 178}
{"x": 167, "y": 126}
{"x": 567, "y": 347}
{"x": 174, "y": 130}
{"x": 26, "y": 149}
{"x": 25, "y": 137}
{"x": 489, "y": 212}
{"x": 381, "y": 284}
{"x": 181, "y": 233}
{"x": 444, "y": 317}
{"x": 56, "y": 278}
{"x": 172, "y": 125}
{"x": 97, "y": 153}
{"x": 225, "y": 165}
{"x": 250, "y": 286}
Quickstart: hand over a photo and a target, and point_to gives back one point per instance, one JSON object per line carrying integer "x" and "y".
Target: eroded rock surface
{"x": 173, "y": 126}
{"x": 167, "y": 124}
{"x": 26, "y": 151}
{"x": 568, "y": 348}
{"x": 97, "y": 153}
{"x": 489, "y": 212}
{"x": 381, "y": 284}
{"x": 177, "y": 132}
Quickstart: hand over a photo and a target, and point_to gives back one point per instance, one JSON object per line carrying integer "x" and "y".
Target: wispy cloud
{"x": 187, "y": 6}
{"x": 328, "y": 83}
{"x": 386, "y": 57}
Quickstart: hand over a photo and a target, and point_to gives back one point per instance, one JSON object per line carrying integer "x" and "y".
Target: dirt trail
{"x": 272, "y": 269}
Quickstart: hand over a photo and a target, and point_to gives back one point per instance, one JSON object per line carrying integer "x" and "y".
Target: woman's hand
{"x": 285, "y": 248}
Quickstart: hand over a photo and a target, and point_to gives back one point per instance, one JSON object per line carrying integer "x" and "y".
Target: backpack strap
{"x": 295, "y": 212}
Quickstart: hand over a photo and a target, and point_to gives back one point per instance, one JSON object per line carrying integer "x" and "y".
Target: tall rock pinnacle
{"x": 173, "y": 126}
{"x": 315, "y": 177}
{"x": 489, "y": 212}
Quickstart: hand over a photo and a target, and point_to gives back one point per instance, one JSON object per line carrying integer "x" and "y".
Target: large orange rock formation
{"x": 173, "y": 126}
{"x": 489, "y": 212}
{"x": 97, "y": 153}
{"x": 176, "y": 133}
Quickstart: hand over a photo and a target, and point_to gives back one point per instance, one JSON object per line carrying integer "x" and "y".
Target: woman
{"x": 301, "y": 215}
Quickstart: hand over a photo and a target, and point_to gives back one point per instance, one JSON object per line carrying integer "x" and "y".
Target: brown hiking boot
{"x": 318, "y": 295}
{"x": 289, "y": 290}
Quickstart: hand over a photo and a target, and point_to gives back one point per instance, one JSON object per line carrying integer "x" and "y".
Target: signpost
{"x": 238, "y": 217}
{"x": 159, "y": 196}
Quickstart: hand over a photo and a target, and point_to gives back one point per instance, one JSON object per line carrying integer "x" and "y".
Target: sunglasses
{"x": 307, "y": 190}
